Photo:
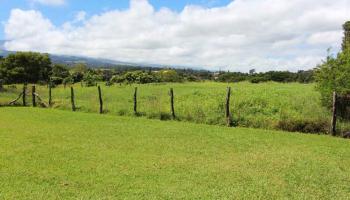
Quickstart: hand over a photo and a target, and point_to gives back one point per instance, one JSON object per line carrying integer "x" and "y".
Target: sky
{"x": 232, "y": 35}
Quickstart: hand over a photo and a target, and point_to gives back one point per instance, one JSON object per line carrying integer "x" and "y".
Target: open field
{"x": 52, "y": 154}
{"x": 266, "y": 105}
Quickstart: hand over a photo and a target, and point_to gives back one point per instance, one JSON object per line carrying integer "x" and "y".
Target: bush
{"x": 138, "y": 77}
{"x": 91, "y": 78}
{"x": 169, "y": 75}
{"x": 68, "y": 80}
{"x": 304, "y": 126}
{"x": 56, "y": 80}
{"x": 258, "y": 80}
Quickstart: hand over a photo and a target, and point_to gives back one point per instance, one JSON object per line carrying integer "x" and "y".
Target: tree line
{"x": 31, "y": 67}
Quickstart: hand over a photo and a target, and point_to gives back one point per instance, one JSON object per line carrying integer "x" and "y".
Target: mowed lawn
{"x": 53, "y": 154}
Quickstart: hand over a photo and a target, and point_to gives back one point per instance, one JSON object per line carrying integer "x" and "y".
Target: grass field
{"x": 53, "y": 154}
{"x": 265, "y": 105}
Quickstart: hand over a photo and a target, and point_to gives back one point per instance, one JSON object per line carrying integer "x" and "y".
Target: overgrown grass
{"x": 52, "y": 154}
{"x": 268, "y": 105}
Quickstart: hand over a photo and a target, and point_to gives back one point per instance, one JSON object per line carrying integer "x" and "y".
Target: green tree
{"x": 169, "y": 75}
{"x": 91, "y": 78}
{"x": 59, "y": 70}
{"x": 78, "y": 71}
{"x": 25, "y": 67}
{"x": 333, "y": 74}
{"x": 346, "y": 38}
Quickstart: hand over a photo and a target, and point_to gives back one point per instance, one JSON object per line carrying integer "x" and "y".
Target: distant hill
{"x": 2, "y": 42}
{"x": 91, "y": 62}
{"x": 96, "y": 62}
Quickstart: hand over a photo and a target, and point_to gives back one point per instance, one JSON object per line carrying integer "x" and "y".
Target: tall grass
{"x": 291, "y": 106}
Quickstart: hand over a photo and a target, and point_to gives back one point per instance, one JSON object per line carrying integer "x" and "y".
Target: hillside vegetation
{"x": 292, "y": 107}
{"x": 52, "y": 154}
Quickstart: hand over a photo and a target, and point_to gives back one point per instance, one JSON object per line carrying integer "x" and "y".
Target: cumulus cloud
{"x": 49, "y": 2}
{"x": 265, "y": 35}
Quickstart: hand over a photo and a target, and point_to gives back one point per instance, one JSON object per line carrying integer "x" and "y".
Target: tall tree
{"x": 333, "y": 74}
{"x": 27, "y": 67}
{"x": 346, "y": 38}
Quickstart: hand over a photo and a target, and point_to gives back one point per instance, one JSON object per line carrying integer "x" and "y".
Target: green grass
{"x": 252, "y": 105}
{"x": 52, "y": 154}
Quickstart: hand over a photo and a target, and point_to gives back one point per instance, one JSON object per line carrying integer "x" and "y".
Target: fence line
{"x": 228, "y": 115}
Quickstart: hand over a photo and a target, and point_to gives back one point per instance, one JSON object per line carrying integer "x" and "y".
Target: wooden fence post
{"x": 227, "y": 107}
{"x": 33, "y": 96}
{"x": 72, "y": 98}
{"x": 334, "y": 115}
{"x": 135, "y": 101}
{"x": 50, "y": 95}
{"x": 1, "y": 84}
{"x": 24, "y": 95}
{"x": 172, "y": 103}
{"x": 100, "y": 99}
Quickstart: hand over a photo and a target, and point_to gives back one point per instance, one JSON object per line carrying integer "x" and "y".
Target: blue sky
{"x": 62, "y": 13}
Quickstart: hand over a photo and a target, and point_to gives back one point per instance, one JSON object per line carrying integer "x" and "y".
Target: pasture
{"x": 53, "y": 154}
{"x": 292, "y": 106}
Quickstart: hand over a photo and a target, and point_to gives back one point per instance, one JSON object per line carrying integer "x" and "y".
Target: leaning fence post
{"x": 100, "y": 99}
{"x": 33, "y": 96}
{"x": 172, "y": 103}
{"x": 50, "y": 95}
{"x": 24, "y": 95}
{"x": 227, "y": 107}
{"x": 334, "y": 115}
{"x": 72, "y": 98}
{"x": 135, "y": 101}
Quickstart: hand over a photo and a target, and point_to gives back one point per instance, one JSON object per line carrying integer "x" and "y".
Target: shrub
{"x": 258, "y": 80}
{"x": 304, "y": 126}
{"x": 56, "y": 80}
{"x": 68, "y": 80}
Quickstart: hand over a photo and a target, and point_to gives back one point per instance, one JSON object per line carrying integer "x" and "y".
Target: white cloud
{"x": 80, "y": 16}
{"x": 269, "y": 34}
{"x": 49, "y": 2}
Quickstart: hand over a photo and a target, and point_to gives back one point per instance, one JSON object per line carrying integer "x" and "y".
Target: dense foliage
{"x": 277, "y": 76}
{"x": 333, "y": 74}
{"x": 27, "y": 67}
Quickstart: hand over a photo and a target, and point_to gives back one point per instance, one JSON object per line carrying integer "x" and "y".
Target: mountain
{"x": 95, "y": 62}
{"x": 2, "y": 43}
{"x": 91, "y": 62}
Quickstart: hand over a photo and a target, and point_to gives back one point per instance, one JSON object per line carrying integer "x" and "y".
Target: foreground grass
{"x": 263, "y": 105}
{"x": 52, "y": 154}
